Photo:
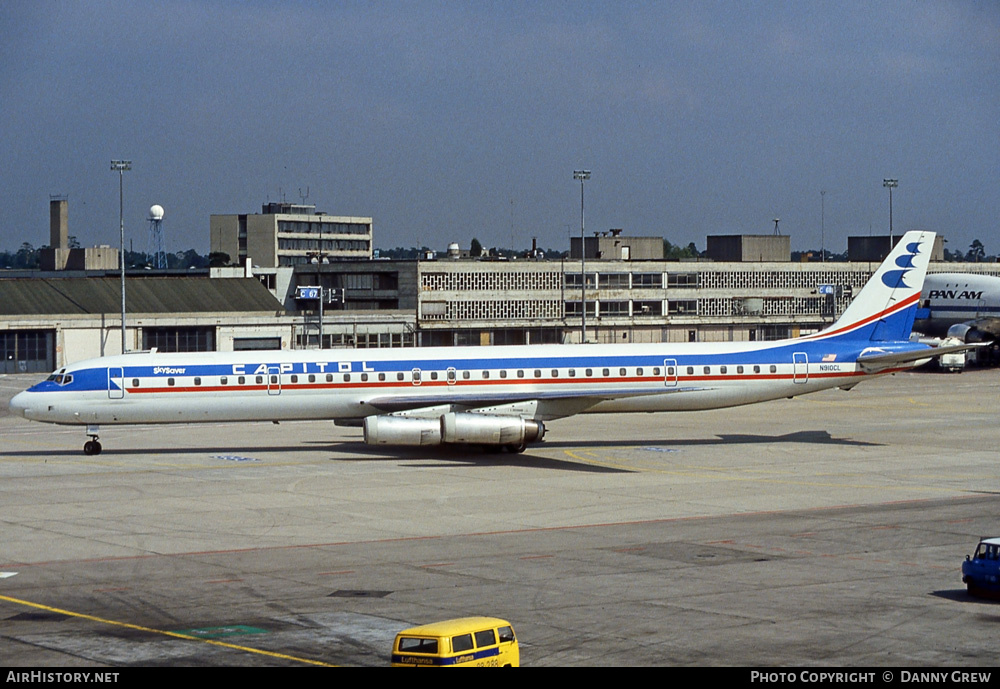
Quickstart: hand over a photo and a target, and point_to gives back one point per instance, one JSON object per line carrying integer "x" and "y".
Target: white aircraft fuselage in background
{"x": 969, "y": 301}
{"x": 490, "y": 396}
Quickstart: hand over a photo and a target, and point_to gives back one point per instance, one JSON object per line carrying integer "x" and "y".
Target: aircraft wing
{"x": 550, "y": 404}
{"x": 878, "y": 360}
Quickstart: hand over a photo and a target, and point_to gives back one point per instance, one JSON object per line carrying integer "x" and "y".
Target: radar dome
{"x": 156, "y": 212}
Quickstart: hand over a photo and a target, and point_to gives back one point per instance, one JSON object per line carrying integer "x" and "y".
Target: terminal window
{"x": 179, "y": 339}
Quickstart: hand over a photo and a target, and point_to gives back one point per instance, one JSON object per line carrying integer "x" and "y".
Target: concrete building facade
{"x": 287, "y": 234}
{"x": 614, "y": 245}
{"x": 58, "y": 255}
{"x": 749, "y": 247}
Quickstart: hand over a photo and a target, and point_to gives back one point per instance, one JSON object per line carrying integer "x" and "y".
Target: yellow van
{"x": 462, "y": 642}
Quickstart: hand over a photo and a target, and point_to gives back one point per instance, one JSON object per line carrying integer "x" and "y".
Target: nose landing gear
{"x": 92, "y": 446}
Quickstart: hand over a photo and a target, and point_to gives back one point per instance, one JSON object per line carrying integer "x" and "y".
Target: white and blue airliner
{"x": 497, "y": 397}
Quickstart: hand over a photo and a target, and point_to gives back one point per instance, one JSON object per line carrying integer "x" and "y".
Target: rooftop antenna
{"x": 303, "y": 196}
{"x": 776, "y": 221}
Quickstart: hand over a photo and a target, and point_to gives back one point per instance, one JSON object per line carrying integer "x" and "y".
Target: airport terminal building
{"x": 50, "y": 321}
{"x": 622, "y": 290}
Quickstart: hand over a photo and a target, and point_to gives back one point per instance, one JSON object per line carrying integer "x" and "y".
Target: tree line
{"x": 30, "y": 258}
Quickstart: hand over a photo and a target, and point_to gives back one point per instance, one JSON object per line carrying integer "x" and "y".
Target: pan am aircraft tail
{"x": 499, "y": 397}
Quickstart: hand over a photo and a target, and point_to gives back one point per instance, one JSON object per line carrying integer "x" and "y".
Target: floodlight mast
{"x": 890, "y": 184}
{"x": 582, "y": 175}
{"x": 122, "y": 166}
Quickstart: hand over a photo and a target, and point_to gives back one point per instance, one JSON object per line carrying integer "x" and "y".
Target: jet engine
{"x": 970, "y": 334}
{"x": 483, "y": 429}
{"x": 453, "y": 428}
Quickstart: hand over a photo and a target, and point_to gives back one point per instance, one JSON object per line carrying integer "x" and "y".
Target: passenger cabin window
{"x": 486, "y": 374}
{"x": 520, "y": 373}
{"x": 461, "y": 643}
{"x": 260, "y": 379}
{"x": 399, "y": 375}
{"x": 723, "y": 369}
{"x": 135, "y": 382}
{"x": 538, "y": 373}
{"x": 739, "y": 369}
{"x": 621, "y": 372}
{"x": 381, "y": 376}
{"x": 347, "y": 377}
{"x": 707, "y": 370}
{"x": 774, "y": 369}
{"x": 170, "y": 382}
{"x": 690, "y": 370}
{"x": 506, "y": 634}
{"x": 242, "y": 380}
{"x": 606, "y": 372}
{"x": 416, "y": 645}
{"x": 197, "y": 380}
{"x": 756, "y": 369}
{"x": 329, "y": 377}
{"x": 295, "y": 379}
{"x": 223, "y": 380}
{"x": 312, "y": 377}
{"x": 364, "y": 377}
{"x": 503, "y": 374}
{"x": 486, "y": 638}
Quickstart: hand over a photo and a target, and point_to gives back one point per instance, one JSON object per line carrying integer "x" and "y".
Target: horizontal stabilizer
{"x": 879, "y": 360}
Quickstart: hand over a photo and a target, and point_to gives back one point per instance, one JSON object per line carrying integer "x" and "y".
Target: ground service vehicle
{"x": 461, "y": 642}
{"x": 981, "y": 572}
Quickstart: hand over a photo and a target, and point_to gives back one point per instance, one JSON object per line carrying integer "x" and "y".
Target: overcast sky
{"x": 451, "y": 120}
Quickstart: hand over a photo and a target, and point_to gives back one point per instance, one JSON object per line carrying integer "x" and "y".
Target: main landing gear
{"x": 92, "y": 446}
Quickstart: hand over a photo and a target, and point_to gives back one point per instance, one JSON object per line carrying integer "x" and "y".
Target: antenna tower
{"x": 155, "y": 248}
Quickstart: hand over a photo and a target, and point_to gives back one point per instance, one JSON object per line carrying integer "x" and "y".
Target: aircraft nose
{"x": 19, "y": 404}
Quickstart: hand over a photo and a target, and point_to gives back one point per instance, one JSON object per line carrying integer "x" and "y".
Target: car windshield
{"x": 988, "y": 551}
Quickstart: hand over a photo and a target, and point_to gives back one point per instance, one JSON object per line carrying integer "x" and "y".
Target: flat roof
{"x": 75, "y": 295}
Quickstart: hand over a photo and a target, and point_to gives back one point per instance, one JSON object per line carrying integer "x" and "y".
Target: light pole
{"x": 122, "y": 166}
{"x": 582, "y": 175}
{"x": 890, "y": 184}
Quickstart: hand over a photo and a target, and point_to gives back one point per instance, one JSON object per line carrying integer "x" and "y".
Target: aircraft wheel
{"x": 91, "y": 447}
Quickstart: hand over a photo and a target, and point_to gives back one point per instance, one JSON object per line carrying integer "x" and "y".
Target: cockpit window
{"x": 61, "y": 378}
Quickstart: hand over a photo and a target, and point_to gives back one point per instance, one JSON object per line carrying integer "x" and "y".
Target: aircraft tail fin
{"x": 885, "y": 308}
